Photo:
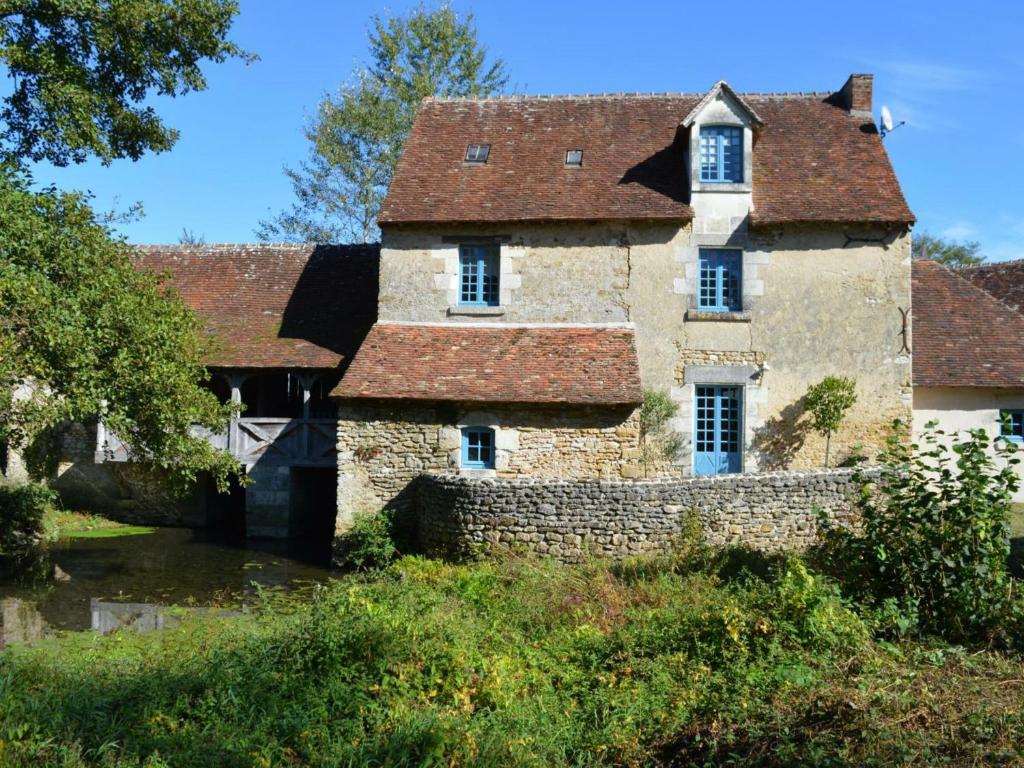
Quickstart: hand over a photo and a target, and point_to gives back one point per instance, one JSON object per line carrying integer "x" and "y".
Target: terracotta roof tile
{"x": 963, "y": 336}
{"x": 498, "y": 364}
{"x": 275, "y": 306}
{"x": 1004, "y": 280}
{"x": 813, "y": 162}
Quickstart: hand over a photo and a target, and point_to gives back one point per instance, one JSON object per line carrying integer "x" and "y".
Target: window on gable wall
{"x": 478, "y": 448}
{"x": 720, "y": 281}
{"x": 1011, "y": 425}
{"x": 479, "y": 269}
{"x": 721, "y": 154}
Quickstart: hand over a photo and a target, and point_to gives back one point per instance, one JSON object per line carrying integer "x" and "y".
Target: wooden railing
{"x": 264, "y": 440}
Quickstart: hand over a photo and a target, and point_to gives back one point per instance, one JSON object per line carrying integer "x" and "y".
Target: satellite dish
{"x": 887, "y": 125}
{"x": 886, "y": 119}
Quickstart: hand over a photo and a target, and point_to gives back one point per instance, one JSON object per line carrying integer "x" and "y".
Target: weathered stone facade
{"x": 570, "y": 519}
{"x": 817, "y": 300}
{"x": 382, "y": 449}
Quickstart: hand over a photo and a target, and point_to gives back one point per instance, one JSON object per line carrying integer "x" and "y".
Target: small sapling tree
{"x": 827, "y": 402}
{"x": 657, "y": 439}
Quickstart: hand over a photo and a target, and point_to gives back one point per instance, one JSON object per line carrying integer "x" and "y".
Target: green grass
{"x": 731, "y": 659}
{"x": 61, "y": 523}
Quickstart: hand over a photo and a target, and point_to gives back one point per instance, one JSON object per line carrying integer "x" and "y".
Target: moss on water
{"x": 107, "y": 533}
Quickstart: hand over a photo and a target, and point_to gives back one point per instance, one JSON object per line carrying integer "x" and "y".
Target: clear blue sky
{"x": 954, "y": 71}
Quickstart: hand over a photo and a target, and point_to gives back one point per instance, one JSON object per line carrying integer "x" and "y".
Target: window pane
{"x": 719, "y": 281}
{"x": 721, "y": 154}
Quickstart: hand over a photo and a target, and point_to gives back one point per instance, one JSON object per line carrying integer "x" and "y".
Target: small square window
{"x": 1011, "y": 426}
{"x": 477, "y": 153}
{"x": 478, "y": 448}
{"x": 574, "y": 158}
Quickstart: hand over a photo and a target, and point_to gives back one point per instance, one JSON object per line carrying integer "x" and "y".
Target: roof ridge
{"x": 986, "y": 265}
{"x": 622, "y": 95}
{"x": 959, "y": 273}
{"x": 244, "y": 246}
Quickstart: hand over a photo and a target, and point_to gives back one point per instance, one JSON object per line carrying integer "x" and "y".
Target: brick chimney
{"x": 855, "y": 95}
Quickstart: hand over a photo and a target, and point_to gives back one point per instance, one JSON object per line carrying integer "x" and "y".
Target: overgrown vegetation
{"x": 703, "y": 658}
{"x": 935, "y": 540}
{"x": 827, "y": 402}
{"x": 370, "y": 543}
{"x": 23, "y": 511}
{"x": 658, "y": 441}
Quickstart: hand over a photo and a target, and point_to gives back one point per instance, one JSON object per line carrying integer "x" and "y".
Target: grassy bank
{"x": 713, "y": 659}
{"x": 66, "y": 524}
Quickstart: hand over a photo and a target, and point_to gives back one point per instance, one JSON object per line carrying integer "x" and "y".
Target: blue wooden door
{"x": 718, "y": 430}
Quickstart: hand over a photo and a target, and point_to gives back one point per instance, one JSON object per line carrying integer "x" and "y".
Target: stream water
{"x": 125, "y": 581}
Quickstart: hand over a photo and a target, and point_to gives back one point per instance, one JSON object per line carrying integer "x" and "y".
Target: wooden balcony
{"x": 265, "y": 440}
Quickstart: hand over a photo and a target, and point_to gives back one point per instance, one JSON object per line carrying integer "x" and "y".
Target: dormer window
{"x": 574, "y": 158}
{"x": 477, "y": 153}
{"x": 721, "y": 154}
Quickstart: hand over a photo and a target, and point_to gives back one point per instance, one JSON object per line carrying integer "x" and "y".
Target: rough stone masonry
{"x": 570, "y": 519}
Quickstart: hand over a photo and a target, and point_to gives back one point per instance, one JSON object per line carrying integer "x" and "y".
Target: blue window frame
{"x": 721, "y": 154}
{"x": 717, "y": 431}
{"x": 1011, "y": 425}
{"x": 478, "y": 448}
{"x": 719, "y": 282}
{"x": 479, "y": 269}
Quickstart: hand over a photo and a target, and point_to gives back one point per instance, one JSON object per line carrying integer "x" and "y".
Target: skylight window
{"x": 477, "y": 153}
{"x": 574, "y": 158}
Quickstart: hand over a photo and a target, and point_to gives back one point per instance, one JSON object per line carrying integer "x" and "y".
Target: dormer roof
{"x": 814, "y": 161}
{"x": 718, "y": 88}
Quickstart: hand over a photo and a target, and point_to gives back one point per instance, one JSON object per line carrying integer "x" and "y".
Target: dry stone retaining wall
{"x": 569, "y": 519}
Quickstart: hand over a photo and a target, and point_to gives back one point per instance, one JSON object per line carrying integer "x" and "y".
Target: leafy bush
{"x": 657, "y": 440}
{"x": 22, "y": 509}
{"x": 370, "y": 543}
{"x": 935, "y": 539}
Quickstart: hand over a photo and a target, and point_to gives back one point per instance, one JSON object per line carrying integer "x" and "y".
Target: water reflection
{"x": 128, "y": 581}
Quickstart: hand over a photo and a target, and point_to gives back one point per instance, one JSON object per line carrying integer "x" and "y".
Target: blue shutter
{"x": 479, "y": 270}
{"x": 720, "y": 282}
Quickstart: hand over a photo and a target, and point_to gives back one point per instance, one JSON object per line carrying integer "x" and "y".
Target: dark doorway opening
{"x": 314, "y": 506}
{"x": 225, "y": 512}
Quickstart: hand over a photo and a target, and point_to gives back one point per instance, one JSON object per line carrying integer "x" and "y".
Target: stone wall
{"x": 569, "y": 519}
{"x": 382, "y": 449}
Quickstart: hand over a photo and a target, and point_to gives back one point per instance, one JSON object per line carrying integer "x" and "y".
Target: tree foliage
{"x": 358, "y": 134}
{"x": 935, "y": 531}
{"x": 82, "y": 72}
{"x": 827, "y": 402}
{"x": 657, "y": 439}
{"x": 947, "y": 252}
{"x": 83, "y": 333}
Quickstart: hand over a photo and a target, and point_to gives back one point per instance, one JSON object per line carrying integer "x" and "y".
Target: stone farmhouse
{"x": 543, "y": 262}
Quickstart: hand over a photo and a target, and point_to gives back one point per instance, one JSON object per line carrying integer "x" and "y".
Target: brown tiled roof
{"x": 813, "y": 162}
{"x": 1004, "y": 280}
{"x": 275, "y": 306}
{"x": 495, "y": 364}
{"x": 963, "y": 336}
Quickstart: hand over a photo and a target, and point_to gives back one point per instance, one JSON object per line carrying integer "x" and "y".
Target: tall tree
{"x": 358, "y": 134}
{"x": 82, "y": 71}
{"x": 82, "y": 332}
{"x": 948, "y": 252}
